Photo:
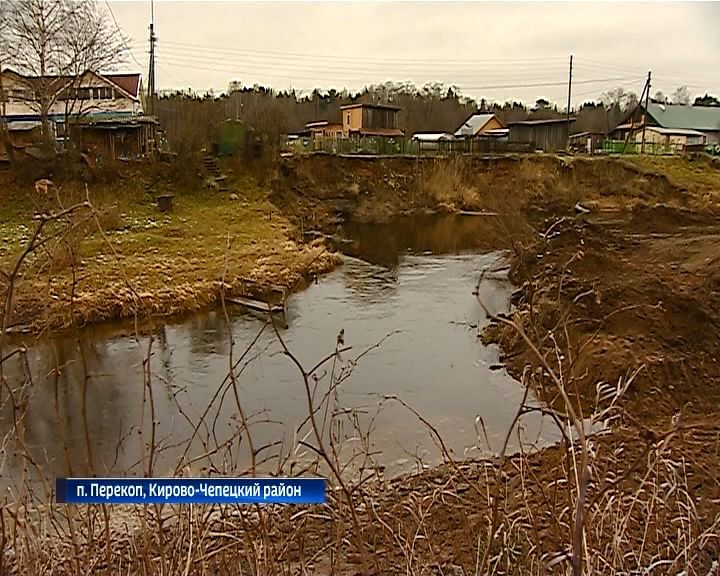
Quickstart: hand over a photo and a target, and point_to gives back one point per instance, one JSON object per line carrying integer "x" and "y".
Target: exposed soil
{"x": 619, "y": 295}
{"x": 318, "y": 191}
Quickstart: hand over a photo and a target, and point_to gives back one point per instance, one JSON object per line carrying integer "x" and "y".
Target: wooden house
{"x": 548, "y": 135}
{"x": 368, "y": 119}
{"x": 103, "y": 111}
{"x": 481, "y": 126}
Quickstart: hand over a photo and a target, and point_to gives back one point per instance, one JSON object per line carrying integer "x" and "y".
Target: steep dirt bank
{"x": 320, "y": 191}
{"x": 611, "y": 296}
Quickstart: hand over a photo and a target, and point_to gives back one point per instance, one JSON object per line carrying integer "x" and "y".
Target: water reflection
{"x": 422, "y": 295}
{"x": 387, "y": 243}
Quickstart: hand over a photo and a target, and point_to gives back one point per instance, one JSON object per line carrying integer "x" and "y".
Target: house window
{"x": 20, "y": 94}
{"x": 84, "y": 94}
{"x": 348, "y": 117}
{"x": 104, "y": 93}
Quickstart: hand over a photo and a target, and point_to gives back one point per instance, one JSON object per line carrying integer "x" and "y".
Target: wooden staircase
{"x": 212, "y": 169}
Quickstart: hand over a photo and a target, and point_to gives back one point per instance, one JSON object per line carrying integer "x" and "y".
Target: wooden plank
{"x": 254, "y": 304}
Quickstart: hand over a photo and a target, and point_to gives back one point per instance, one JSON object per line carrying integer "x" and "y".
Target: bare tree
{"x": 681, "y": 96}
{"x": 4, "y": 45}
{"x": 660, "y": 97}
{"x": 52, "y": 40}
{"x": 620, "y": 98}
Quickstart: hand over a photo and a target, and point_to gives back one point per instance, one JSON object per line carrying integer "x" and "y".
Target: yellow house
{"x": 324, "y": 129}
{"x": 677, "y": 138}
{"x": 370, "y": 120}
{"x": 482, "y": 126}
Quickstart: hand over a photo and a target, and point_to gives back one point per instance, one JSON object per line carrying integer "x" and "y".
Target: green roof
{"x": 689, "y": 117}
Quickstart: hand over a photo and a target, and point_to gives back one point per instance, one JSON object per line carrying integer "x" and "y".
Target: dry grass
{"x": 699, "y": 174}
{"x": 446, "y": 184}
{"x": 175, "y": 261}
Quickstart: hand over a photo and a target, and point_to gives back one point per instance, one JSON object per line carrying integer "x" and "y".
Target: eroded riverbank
{"x": 623, "y": 310}
{"x": 148, "y": 263}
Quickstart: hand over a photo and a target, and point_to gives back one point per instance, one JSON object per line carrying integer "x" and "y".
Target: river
{"x": 405, "y": 305}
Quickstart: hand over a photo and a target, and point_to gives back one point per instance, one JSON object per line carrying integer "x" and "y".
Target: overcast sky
{"x": 500, "y": 51}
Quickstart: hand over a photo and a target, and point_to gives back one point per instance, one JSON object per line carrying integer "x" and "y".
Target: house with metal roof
{"x": 675, "y": 120}
{"x": 105, "y": 109}
{"x": 481, "y": 126}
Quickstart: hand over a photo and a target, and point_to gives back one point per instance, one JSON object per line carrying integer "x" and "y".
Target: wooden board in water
{"x": 253, "y": 304}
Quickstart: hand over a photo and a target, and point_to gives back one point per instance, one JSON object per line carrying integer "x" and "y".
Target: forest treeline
{"x": 190, "y": 119}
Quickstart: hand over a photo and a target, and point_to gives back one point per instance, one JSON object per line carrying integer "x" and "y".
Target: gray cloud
{"x": 475, "y": 45}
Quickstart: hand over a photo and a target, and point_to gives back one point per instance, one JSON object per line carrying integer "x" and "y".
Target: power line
{"x": 465, "y": 86}
{"x": 122, "y": 36}
{"x": 363, "y": 59}
{"x": 320, "y": 67}
{"x": 323, "y": 74}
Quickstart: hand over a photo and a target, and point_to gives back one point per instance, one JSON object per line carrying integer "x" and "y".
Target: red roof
{"x": 128, "y": 82}
{"x": 383, "y": 132}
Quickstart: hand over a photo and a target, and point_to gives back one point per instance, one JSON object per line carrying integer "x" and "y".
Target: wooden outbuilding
{"x": 547, "y": 135}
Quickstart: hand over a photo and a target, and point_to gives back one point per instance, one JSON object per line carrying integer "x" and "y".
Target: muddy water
{"x": 408, "y": 287}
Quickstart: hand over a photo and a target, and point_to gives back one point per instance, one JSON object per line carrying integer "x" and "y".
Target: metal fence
{"x": 406, "y": 146}
{"x": 652, "y": 148}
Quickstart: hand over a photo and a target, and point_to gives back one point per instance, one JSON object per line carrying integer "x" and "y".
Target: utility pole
{"x": 2, "y": 99}
{"x": 647, "y": 102}
{"x": 568, "y": 101}
{"x": 645, "y": 95}
{"x": 151, "y": 72}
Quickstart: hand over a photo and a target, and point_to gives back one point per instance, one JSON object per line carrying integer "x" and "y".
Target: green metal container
{"x": 233, "y": 137}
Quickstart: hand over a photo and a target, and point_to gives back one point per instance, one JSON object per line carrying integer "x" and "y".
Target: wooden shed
{"x": 586, "y": 142}
{"x": 116, "y": 138}
{"x": 547, "y": 135}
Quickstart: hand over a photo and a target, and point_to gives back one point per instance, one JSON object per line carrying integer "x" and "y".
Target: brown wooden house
{"x": 367, "y": 119}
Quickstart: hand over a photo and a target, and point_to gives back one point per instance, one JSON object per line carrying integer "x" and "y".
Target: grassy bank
{"x": 124, "y": 256}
